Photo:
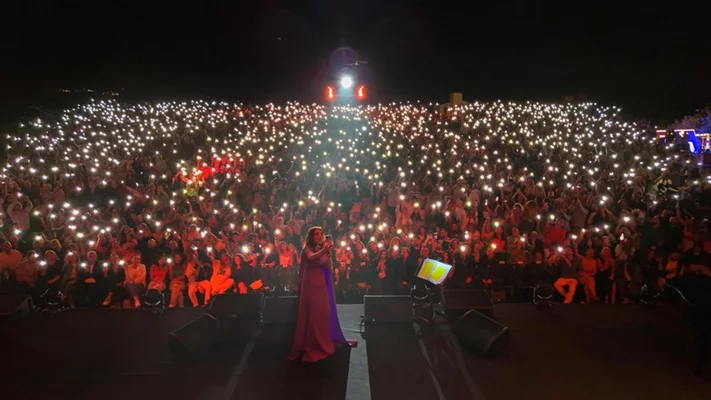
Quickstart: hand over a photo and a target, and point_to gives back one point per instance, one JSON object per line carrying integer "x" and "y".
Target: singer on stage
{"x": 318, "y": 331}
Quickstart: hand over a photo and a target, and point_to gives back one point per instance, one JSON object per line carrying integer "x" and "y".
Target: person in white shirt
{"x": 136, "y": 279}
{"x": 19, "y": 213}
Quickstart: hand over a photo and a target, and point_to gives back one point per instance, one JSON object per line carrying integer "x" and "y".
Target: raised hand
{"x": 328, "y": 245}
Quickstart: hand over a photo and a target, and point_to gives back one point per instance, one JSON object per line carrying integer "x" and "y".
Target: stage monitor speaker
{"x": 281, "y": 310}
{"x": 459, "y": 301}
{"x": 387, "y": 309}
{"x": 196, "y": 338}
{"x": 228, "y": 305}
{"x": 480, "y": 333}
{"x": 16, "y": 305}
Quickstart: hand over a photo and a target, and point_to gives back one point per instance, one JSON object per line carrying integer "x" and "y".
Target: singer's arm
{"x": 312, "y": 255}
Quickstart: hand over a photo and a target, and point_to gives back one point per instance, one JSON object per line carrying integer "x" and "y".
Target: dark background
{"x": 652, "y": 59}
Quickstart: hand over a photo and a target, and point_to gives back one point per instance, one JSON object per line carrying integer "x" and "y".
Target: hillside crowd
{"x": 107, "y": 202}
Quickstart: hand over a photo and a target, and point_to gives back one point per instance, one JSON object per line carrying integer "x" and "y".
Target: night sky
{"x": 654, "y": 61}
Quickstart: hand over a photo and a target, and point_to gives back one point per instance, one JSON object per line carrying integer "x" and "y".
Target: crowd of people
{"x": 107, "y": 202}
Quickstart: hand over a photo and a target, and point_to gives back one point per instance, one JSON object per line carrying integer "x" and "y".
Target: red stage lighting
{"x": 361, "y": 93}
{"x": 330, "y": 93}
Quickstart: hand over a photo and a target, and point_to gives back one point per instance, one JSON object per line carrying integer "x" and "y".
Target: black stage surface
{"x": 566, "y": 352}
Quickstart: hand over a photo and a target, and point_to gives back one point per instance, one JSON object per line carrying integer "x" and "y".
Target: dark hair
{"x": 242, "y": 259}
{"x": 310, "y": 236}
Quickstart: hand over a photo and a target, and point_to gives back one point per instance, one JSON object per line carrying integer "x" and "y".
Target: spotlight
{"x": 346, "y": 82}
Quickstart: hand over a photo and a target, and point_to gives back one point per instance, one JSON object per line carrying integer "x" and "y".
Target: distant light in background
{"x": 330, "y": 93}
{"x": 361, "y": 93}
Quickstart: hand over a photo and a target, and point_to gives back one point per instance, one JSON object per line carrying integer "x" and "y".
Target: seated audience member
{"x": 623, "y": 256}
{"x": 115, "y": 277}
{"x": 9, "y": 257}
{"x": 26, "y": 274}
{"x": 242, "y": 274}
{"x": 588, "y": 269}
{"x": 536, "y": 271}
{"x": 269, "y": 272}
{"x": 567, "y": 266}
{"x": 399, "y": 263}
{"x": 604, "y": 278}
{"x": 158, "y": 275}
{"x": 669, "y": 269}
{"x": 177, "y": 280}
{"x": 287, "y": 262}
{"x": 49, "y": 278}
{"x": 91, "y": 284}
{"x": 177, "y": 269}
{"x": 198, "y": 275}
{"x": 221, "y": 280}
{"x": 69, "y": 280}
{"x": 202, "y": 283}
{"x": 136, "y": 280}
{"x": 695, "y": 261}
{"x": 381, "y": 282}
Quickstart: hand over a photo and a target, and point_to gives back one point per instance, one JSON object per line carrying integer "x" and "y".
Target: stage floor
{"x": 566, "y": 352}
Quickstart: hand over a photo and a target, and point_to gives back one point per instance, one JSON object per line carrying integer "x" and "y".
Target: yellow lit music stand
{"x": 434, "y": 271}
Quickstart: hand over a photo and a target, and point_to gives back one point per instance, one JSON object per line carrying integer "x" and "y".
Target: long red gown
{"x": 318, "y": 330}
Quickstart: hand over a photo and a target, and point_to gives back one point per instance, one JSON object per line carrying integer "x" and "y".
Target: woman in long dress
{"x": 318, "y": 331}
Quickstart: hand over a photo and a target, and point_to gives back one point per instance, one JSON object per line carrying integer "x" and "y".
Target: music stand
{"x": 431, "y": 274}
{"x": 433, "y": 271}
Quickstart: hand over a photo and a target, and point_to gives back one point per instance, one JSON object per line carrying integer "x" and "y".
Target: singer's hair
{"x": 310, "y": 237}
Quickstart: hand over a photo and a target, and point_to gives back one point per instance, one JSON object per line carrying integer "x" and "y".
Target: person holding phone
{"x": 318, "y": 330}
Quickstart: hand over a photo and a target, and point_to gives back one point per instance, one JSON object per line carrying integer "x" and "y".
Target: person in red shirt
{"x": 499, "y": 242}
{"x": 221, "y": 279}
{"x": 9, "y": 258}
{"x": 555, "y": 233}
{"x": 158, "y": 273}
{"x": 206, "y": 171}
